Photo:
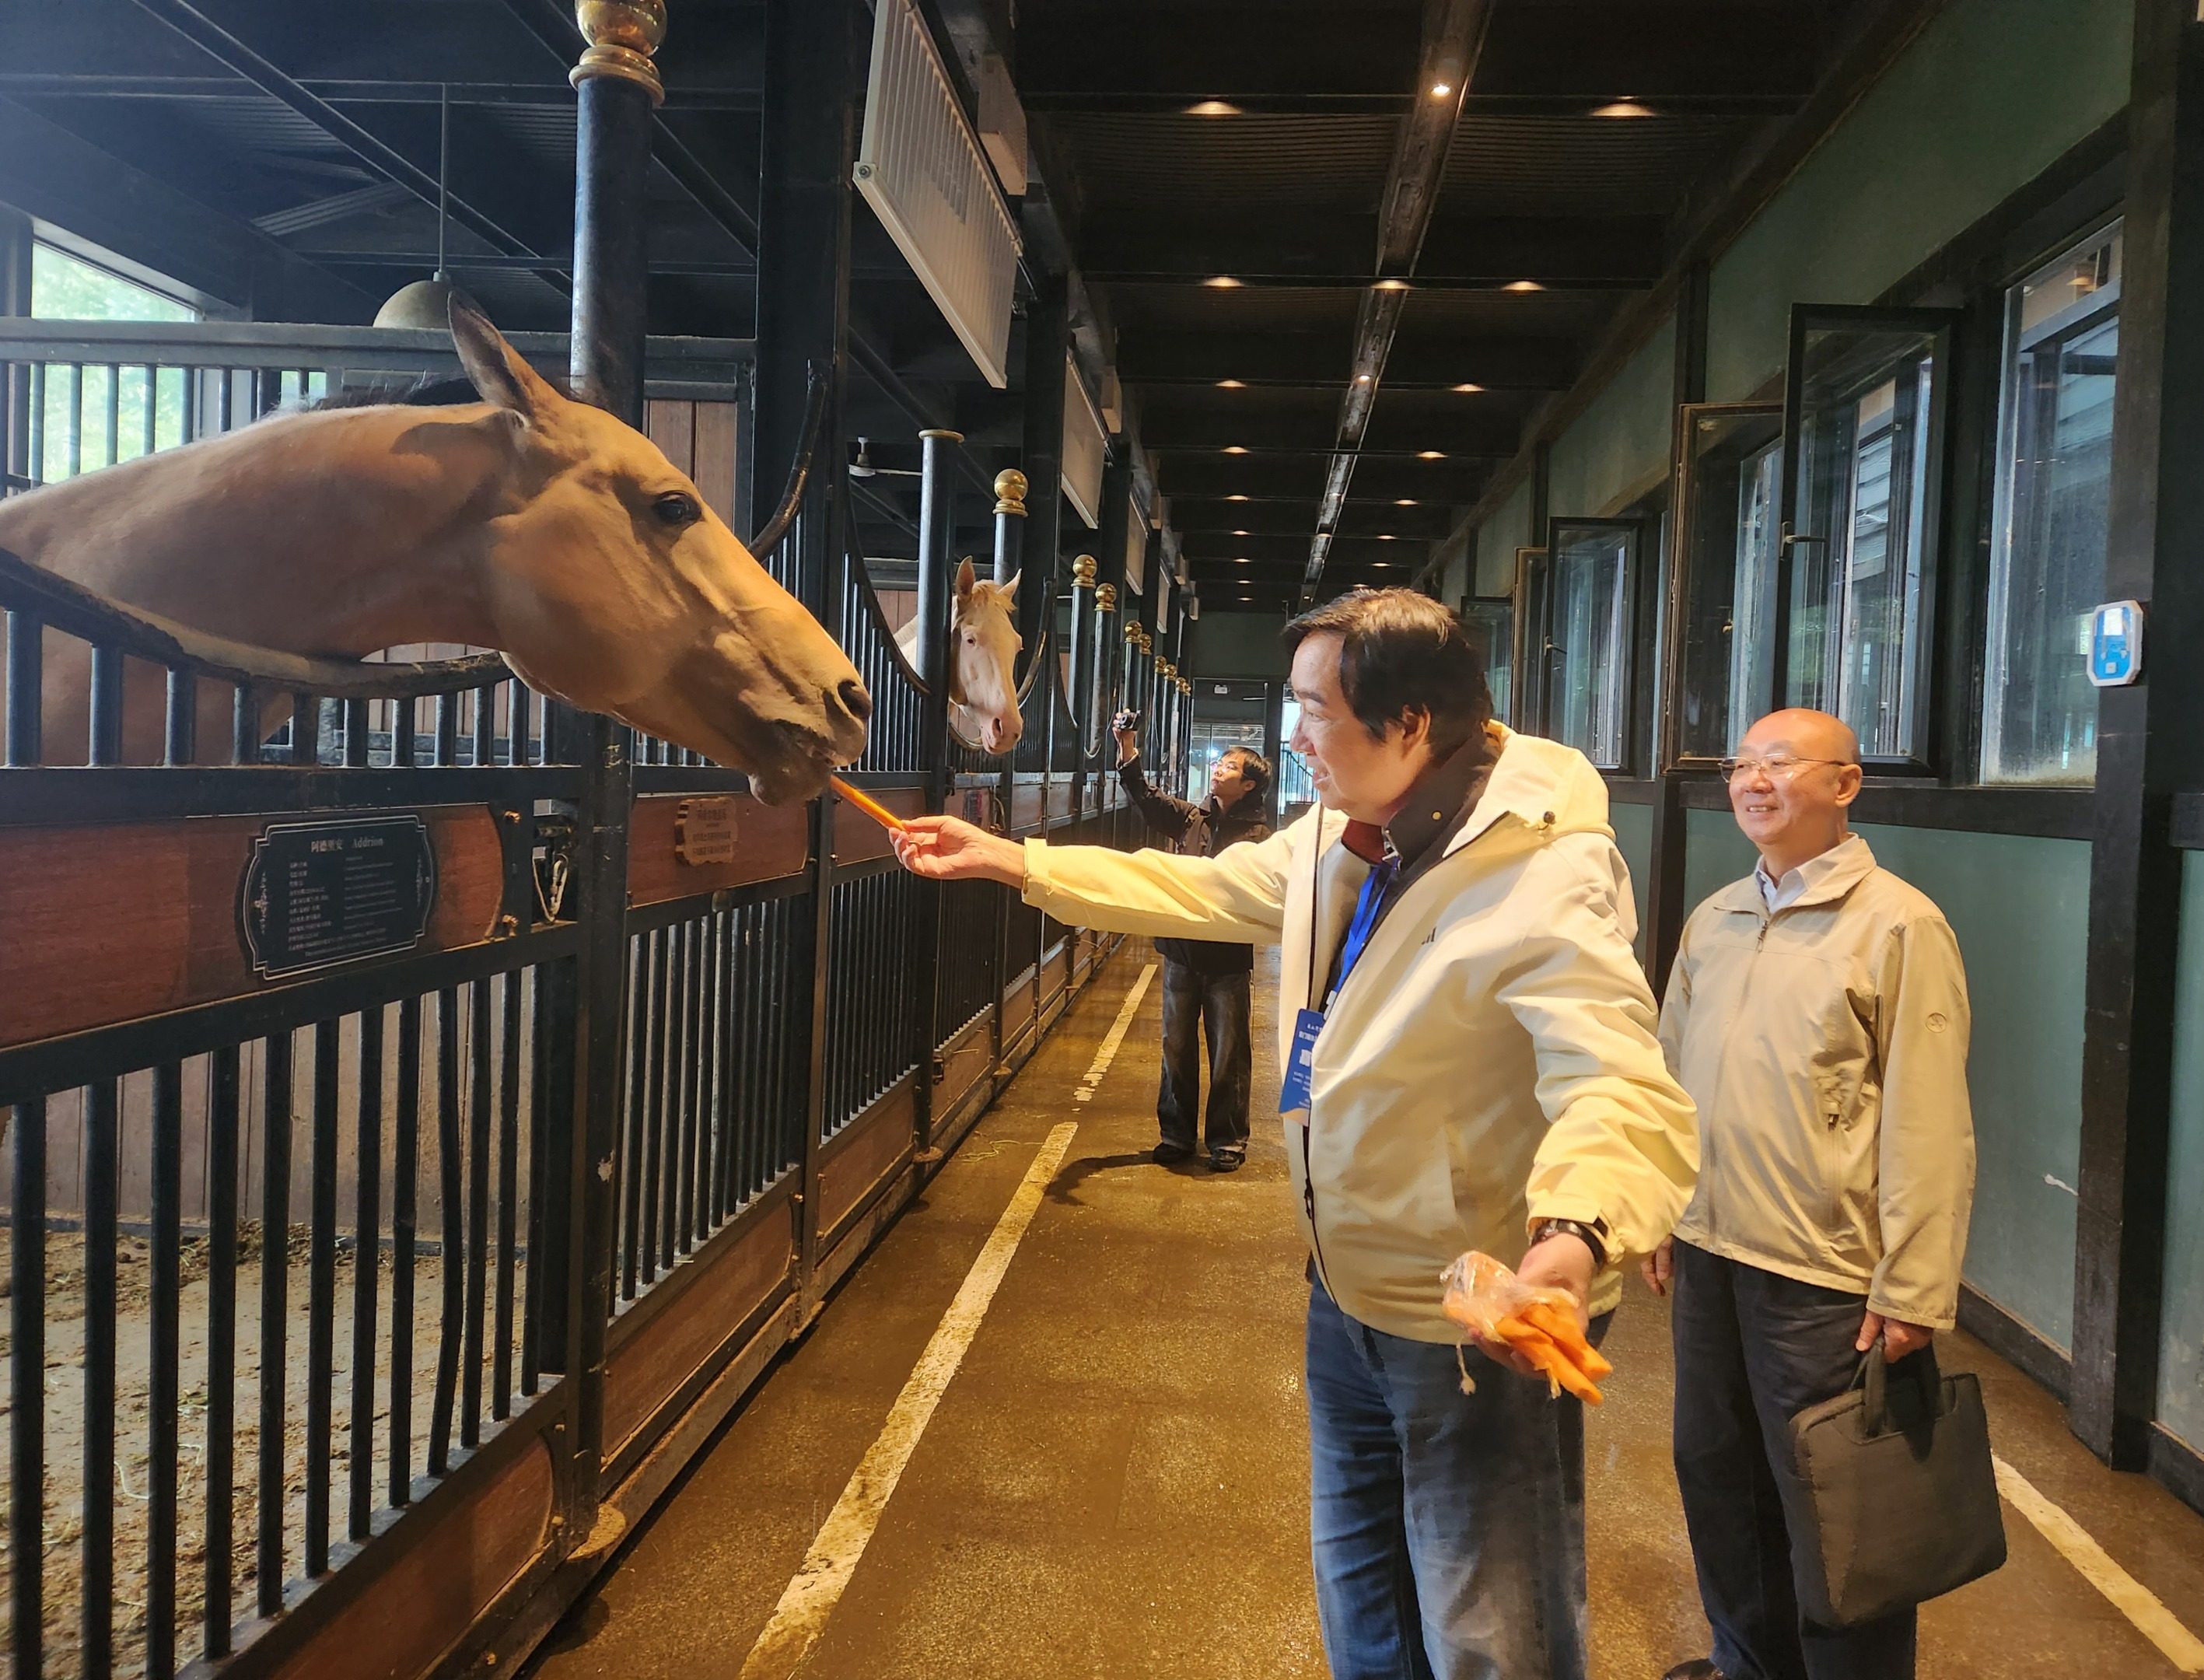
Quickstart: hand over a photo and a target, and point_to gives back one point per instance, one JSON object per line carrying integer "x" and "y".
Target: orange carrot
{"x": 1562, "y": 1327}
{"x": 871, "y": 807}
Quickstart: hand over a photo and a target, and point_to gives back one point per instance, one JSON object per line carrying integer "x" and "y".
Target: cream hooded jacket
{"x": 1491, "y": 1060}
{"x": 1827, "y": 1046}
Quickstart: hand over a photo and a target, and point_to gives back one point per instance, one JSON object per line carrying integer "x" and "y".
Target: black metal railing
{"x": 294, "y": 1246}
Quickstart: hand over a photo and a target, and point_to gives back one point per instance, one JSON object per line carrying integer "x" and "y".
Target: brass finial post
{"x": 1011, "y": 492}
{"x": 624, "y": 37}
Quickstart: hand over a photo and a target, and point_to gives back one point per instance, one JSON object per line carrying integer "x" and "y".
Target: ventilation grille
{"x": 1085, "y": 443}
{"x": 920, "y": 169}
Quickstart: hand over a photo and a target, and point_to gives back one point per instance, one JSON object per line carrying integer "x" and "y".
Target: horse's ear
{"x": 964, "y": 578}
{"x": 500, "y": 372}
{"x": 1010, "y": 589}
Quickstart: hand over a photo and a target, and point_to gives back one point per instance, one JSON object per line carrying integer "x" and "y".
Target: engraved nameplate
{"x": 315, "y": 894}
{"x": 704, "y": 831}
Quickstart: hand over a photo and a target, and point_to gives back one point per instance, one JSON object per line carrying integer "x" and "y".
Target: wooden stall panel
{"x": 455, "y": 1569}
{"x": 866, "y": 1151}
{"x": 646, "y": 1369}
{"x": 857, "y": 838}
{"x": 770, "y": 841}
{"x": 116, "y": 921}
{"x": 1025, "y": 806}
{"x": 1059, "y": 798}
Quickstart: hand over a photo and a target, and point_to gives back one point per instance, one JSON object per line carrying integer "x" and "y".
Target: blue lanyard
{"x": 1364, "y": 923}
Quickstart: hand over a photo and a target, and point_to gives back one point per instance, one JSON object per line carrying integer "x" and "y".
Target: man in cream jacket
{"x": 1818, "y": 1015}
{"x": 1480, "y": 1072}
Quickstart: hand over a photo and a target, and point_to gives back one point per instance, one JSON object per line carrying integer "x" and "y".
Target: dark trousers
{"x": 1220, "y": 1003}
{"x": 1753, "y": 1350}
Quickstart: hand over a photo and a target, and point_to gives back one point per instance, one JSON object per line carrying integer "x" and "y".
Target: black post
{"x": 1665, "y": 905}
{"x": 814, "y": 58}
{"x": 937, "y": 539}
{"x": 1048, "y": 343}
{"x": 618, "y": 89}
{"x": 1078, "y": 682}
{"x": 2147, "y": 746}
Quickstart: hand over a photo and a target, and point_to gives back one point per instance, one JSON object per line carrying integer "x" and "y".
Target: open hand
{"x": 1659, "y": 1266}
{"x": 1900, "y": 1338}
{"x": 948, "y": 848}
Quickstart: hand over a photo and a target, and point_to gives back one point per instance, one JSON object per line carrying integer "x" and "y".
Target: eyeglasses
{"x": 1777, "y": 769}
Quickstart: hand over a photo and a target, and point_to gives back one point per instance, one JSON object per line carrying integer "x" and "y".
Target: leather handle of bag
{"x": 1874, "y": 1372}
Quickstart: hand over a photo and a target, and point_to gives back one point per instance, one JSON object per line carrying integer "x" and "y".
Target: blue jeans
{"x": 1448, "y": 1528}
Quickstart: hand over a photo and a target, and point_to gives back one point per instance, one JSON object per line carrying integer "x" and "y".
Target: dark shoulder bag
{"x": 1898, "y": 1491}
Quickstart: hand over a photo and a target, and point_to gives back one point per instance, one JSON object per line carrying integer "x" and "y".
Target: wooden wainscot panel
{"x": 1056, "y": 967}
{"x": 857, "y": 838}
{"x": 964, "y": 1064}
{"x": 867, "y": 1151}
{"x": 112, "y": 922}
{"x": 454, "y": 1570}
{"x": 770, "y": 841}
{"x": 1025, "y": 805}
{"x": 1017, "y": 1005}
{"x": 1059, "y": 798}
{"x": 977, "y": 805}
{"x": 645, "y": 1370}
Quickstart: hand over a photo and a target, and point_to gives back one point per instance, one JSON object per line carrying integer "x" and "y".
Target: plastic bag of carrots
{"x": 1485, "y": 1297}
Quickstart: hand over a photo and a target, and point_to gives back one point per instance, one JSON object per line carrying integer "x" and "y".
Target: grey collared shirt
{"x": 1797, "y": 884}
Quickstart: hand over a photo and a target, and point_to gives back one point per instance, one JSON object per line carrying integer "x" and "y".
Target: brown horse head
{"x": 608, "y": 582}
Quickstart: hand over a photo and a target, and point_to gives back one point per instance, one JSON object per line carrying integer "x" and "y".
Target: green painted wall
{"x": 1633, "y": 834}
{"x": 2021, "y": 909}
{"x": 1991, "y": 95}
{"x": 1618, "y": 446}
{"x": 2180, "y": 1347}
{"x": 1507, "y": 530}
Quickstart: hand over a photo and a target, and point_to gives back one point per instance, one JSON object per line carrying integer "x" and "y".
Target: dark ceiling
{"x": 275, "y": 153}
{"x": 1194, "y": 143}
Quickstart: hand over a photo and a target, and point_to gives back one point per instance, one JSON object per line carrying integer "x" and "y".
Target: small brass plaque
{"x": 704, "y": 831}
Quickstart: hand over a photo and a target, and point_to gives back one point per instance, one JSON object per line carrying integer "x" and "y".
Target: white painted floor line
{"x": 802, "y": 1613}
{"x": 1085, "y": 1090}
{"x": 2130, "y": 1596}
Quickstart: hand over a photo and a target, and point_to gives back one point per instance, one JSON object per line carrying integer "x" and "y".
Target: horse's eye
{"x": 676, "y": 508}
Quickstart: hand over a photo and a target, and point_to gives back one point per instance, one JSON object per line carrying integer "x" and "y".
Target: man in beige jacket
{"x": 1478, "y": 1070}
{"x": 1817, "y": 1015}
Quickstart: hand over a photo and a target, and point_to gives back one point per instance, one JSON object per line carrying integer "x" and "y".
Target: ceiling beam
{"x": 1588, "y": 103}
{"x": 1301, "y": 477}
{"x": 1314, "y": 248}
{"x": 1453, "y": 34}
{"x": 1424, "y": 358}
{"x": 187, "y": 20}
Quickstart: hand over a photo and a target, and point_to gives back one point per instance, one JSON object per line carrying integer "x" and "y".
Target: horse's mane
{"x": 429, "y": 391}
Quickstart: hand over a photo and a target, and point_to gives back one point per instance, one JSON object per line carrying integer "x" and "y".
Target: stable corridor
{"x": 1115, "y": 1480}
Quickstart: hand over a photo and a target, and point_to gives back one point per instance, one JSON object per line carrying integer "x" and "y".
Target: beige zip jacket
{"x": 1490, "y": 1060}
{"x": 1826, "y": 1046}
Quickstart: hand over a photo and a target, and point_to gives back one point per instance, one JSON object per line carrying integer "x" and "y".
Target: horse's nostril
{"x": 855, "y": 699}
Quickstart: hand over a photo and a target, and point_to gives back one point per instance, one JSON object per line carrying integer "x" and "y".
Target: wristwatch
{"x": 1595, "y": 1237}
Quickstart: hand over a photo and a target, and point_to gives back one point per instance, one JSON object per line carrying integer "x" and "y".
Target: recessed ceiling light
{"x": 1243, "y": 533}
{"x": 1511, "y": 286}
{"x": 1626, "y": 106}
{"x": 1390, "y": 285}
{"x": 1242, "y": 561}
{"x": 1213, "y": 107}
{"x": 1430, "y": 454}
{"x": 1220, "y": 280}
{"x": 1235, "y": 449}
{"x": 1441, "y": 89}
{"x": 1384, "y": 536}
{"x": 1466, "y": 388}
{"x": 1236, "y": 498}
{"x": 1405, "y": 501}
{"x": 1361, "y": 378}
{"x": 1231, "y": 384}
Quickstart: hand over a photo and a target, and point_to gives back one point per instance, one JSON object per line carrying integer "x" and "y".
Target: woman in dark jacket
{"x": 1206, "y": 983}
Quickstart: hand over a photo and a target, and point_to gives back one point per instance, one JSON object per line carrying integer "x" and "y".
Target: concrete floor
{"x": 1116, "y": 1481}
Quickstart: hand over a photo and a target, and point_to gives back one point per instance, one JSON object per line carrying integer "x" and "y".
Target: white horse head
{"x": 983, "y": 658}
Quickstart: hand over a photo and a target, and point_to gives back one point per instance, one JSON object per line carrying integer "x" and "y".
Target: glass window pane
{"x": 1730, "y": 514}
{"x": 2047, "y": 562}
{"x": 1529, "y": 694}
{"x": 67, "y": 288}
{"x": 1867, "y": 426}
{"x": 1491, "y": 625}
{"x": 1296, "y": 787}
{"x": 1587, "y": 644}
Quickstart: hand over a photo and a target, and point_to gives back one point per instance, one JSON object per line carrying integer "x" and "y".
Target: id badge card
{"x": 1293, "y": 1095}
